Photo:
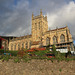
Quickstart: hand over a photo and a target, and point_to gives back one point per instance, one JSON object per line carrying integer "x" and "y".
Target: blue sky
{"x": 74, "y": 42}
{"x": 15, "y": 15}
{"x": 15, "y": 2}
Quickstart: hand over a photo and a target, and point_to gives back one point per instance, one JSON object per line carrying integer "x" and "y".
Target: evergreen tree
{"x": 54, "y": 49}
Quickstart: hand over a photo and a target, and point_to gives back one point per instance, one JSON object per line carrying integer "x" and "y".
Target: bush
{"x": 1, "y": 51}
{"x": 43, "y": 57}
{"x": 41, "y": 53}
{"x": 59, "y": 59}
{"x": 52, "y": 59}
{"x": 74, "y": 58}
{"x": 60, "y": 56}
{"x": 67, "y": 59}
{"x": 69, "y": 53}
{"x": 13, "y": 53}
{"x": 60, "y": 69}
{"x": 47, "y": 47}
{"x": 17, "y": 60}
{"x": 1, "y": 57}
{"x": 5, "y": 57}
{"x": 26, "y": 58}
{"x": 54, "y": 50}
{"x": 21, "y": 53}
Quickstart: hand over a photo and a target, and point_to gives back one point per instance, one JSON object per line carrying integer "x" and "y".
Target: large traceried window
{"x": 22, "y": 45}
{"x": 26, "y": 45}
{"x": 62, "y": 38}
{"x": 15, "y": 47}
{"x": 18, "y": 46}
{"x": 35, "y": 26}
{"x": 47, "y": 41}
{"x": 54, "y": 40}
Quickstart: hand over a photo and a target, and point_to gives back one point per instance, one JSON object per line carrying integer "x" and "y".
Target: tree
{"x": 47, "y": 47}
{"x": 54, "y": 49}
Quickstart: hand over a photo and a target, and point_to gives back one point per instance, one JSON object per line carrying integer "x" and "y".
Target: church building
{"x": 42, "y": 37}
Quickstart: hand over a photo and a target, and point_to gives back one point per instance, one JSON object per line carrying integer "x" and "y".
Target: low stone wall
{"x": 37, "y": 67}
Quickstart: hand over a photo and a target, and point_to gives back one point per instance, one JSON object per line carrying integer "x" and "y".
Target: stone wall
{"x": 37, "y": 67}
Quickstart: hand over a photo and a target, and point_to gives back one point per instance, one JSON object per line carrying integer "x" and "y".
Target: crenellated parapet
{"x": 39, "y": 16}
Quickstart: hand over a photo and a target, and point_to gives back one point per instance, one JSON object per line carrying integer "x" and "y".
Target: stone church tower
{"x": 39, "y": 26}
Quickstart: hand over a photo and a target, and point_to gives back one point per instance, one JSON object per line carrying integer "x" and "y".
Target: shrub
{"x": 59, "y": 59}
{"x": 47, "y": 47}
{"x": 52, "y": 59}
{"x": 26, "y": 58}
{"x": 54, "y": 50}
{"x": 1, "y": 51}
{"x": 43, "y": 57}
{"x": 1, "y": 57}
{"x": 17, "y": 60}
{"x": 21, "y": 53}
{"x": 41, "y": 53}
{"x": 69, "y": 53}
{"x": 48, "y": 58}
{"x": 60, "y": 56}
{"x": 74, "y": 58}
{"x": 60, "y": 69}
{"x": 13, "y": 53}
{"x": 5, "y": 57}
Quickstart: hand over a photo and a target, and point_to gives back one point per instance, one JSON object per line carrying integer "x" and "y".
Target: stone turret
{"x": 41, "y": 12}
{"x": 32, "y": 15}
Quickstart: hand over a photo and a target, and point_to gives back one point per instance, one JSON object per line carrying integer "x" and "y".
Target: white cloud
{"x": 62, "y": 17}
{"x": 17, "y": 20}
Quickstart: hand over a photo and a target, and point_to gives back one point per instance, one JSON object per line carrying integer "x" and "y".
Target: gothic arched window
{"x": 47, "y": 41}
{"x": 22, "y": 45}
{"x": 11, "y": 46}
{"x": 54, "y": 40}
{"x": 62, "y": 38}
{"x": 35, "y": 26}
{"x": 26, "y": 45}
{"x": 18, "y": 46}
{"x": 15, "y": 47}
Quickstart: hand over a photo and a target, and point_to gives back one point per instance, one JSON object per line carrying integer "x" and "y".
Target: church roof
{"x": 22, "y": 37}
{"x": 26, "y": 36}
{"x": 57, "y": 29}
